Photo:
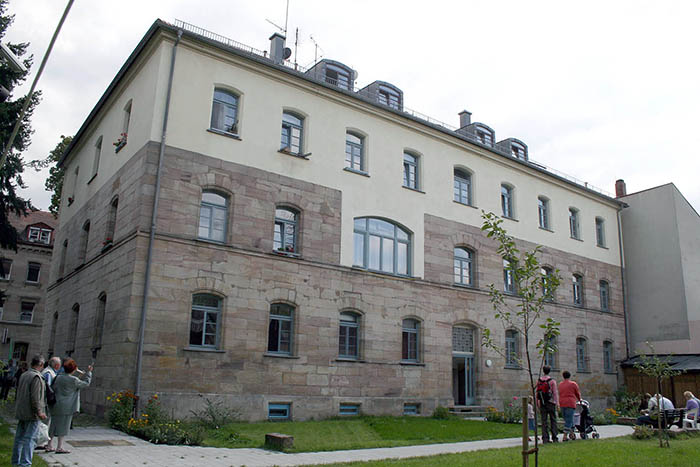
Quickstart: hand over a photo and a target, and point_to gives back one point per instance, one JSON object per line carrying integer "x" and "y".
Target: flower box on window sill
{"x": 107, "y": 244}
{"x": 119, "y": 145}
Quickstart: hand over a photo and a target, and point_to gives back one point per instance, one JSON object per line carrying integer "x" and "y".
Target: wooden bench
{"x": 673, "y": 417}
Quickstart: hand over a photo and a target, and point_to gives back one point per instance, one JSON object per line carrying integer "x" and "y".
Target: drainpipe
{"x": 624, "y": 288}
{"x": 156, "y": 196}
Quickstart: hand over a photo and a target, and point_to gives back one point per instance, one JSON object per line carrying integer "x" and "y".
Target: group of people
{"x": 62, "y": 379}
{"x": 551, "y": 397}
{"x": 650, "y": 407}
{"x": 9, "y": 376}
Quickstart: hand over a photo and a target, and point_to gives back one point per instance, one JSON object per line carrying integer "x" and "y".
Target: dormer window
{"x": 518, "y": 151}
{"x": 39, "y": 235}
{"x": 389, "y": 97}
{"x": 337, "y": 76}
{"x": 484, "y": 135}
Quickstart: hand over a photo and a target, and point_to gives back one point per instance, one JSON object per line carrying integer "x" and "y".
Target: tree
{"x": 11, "y": 171}
{"x": 660, "y": 369}
{"x": 55, "y": 181}
{"x": 523, "y": 309}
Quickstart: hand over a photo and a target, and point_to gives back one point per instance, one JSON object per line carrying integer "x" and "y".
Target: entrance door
{"x": 463, "y": 379}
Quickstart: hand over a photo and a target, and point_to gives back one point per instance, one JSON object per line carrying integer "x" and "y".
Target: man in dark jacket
{"x": 548, "y": 402}
{"x": 30, "y": 408}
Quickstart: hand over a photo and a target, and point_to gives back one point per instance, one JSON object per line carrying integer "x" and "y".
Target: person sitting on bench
{"x": 651, "y": 415}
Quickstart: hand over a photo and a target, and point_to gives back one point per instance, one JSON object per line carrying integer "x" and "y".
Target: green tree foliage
{"x": 55, "y": 181}
{"x": 11, "y": 173}
{"x": 523, "y": 309}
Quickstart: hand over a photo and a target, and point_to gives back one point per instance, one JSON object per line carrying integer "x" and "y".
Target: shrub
{"x": 441, "y": 413}
{"x": 627, "y": 403}
{"x": 643, "y": 432}
{"x": 121, "y": 410}
{"x": 493, "y": 415}
{"x": 215, "y": 414}
{"x": 512, "y": 410}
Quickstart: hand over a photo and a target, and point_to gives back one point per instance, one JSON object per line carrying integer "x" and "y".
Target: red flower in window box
{"x": 108, "y": 241}
{"x": 121, "y": 141}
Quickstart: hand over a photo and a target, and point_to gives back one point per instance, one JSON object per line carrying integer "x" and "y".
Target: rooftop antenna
{"x": 316, "y": 48}
{"x": 286, "y": 20}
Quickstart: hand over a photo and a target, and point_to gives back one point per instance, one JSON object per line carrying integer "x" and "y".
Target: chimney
{"x": 465, "y": 118}
{"x": 277, "y": 47}
{"x": 620, "y": 188}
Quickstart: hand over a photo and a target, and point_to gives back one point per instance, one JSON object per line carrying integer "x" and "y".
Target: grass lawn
{"x": 619, "y": 452}
{"x": 361, "y": 432}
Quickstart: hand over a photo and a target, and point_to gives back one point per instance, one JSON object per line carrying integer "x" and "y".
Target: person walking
{"x": 30, "y": 408}
{"x": 49, "y": 375}
{"x": 67, "y": 388}
{"x": 548, "y": 402}
{"x": 569, "y": 395}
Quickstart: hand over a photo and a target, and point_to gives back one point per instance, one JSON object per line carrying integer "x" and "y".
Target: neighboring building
{"x": 24, "y": 277}
{"x": 661, "y": 235}
{"x": 317, "y": 250}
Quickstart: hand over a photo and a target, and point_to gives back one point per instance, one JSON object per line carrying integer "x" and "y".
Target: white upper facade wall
{"x": 264, "y": 94}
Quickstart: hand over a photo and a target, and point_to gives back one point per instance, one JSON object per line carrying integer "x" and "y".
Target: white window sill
{"x": 464, "y": 204}
{"x": 294, "y": 154}
{"x": 355, "y": 171}
{"x": 224, "y": 133}
{"x": 412, "y": 189}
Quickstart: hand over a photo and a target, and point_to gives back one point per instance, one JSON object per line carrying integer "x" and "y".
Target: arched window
{"x": 581, "y": 354}
{"x": 286, "y": 230}
{"x": 84, "y": 238}
{"x": 600, "y": 231}
{"x": 550, "y": 356}
{"x": 604, "y": 296}
{"x": 512, "y": 349}
{"x": 349, "y": 335}
{"x": 205, "y": 320}
{"x": 62, "y": 263}
{"x": 462, "y": 187}
{"x": 573, "y": 224}
{"x": 52, "y": 339}
{"x": 213, "y": 216}
{"x": 508, "y": 278}
{"x": 98, "y": 329}
{"x": 410, "y": 339}
{"x": 547, "y": 291}
{"x": 507, "y": 201}
{"x": 381, "y": 246}
{"x": 463, "y": 262}
{"x": 608, "y": 358}
{"x": 292, "y": 133}
{"x": 354, "y": 151}
{"x": 577, "y": 289}
{"x": 224, "y": 111}
{"x": 111, "y": 222}
{"x": 543, "y": 212}
{"x": 96, "y": 160}
{"x": 280, "y": 329}
{"x": 73, "y": 330}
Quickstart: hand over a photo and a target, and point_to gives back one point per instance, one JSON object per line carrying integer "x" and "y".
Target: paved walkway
{"x": 101, "y": 447}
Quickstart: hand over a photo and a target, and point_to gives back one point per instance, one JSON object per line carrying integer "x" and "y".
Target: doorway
{"x": 463, "y": 366}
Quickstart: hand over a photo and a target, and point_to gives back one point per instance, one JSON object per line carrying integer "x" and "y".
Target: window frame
{"x": 507, "y": 201}
{"x": 212, "y": 208}
{"x": 411, "y": 167}
{"x": 582, "y": 355}
{"x": 98, "y": 326}
{"x": 283, "y": 224}
{"x": 345, "y": 327}
{"x": 518, "y": 151}
{"x": 281, "y": 318}
{"x": 551, "y": 357}
{"x": 389, "y": 97}
{"x": 546, "y": 272}
{"x": 350, "y": 155}
{"x": 508, "y": 278}
{"x": 97, "y": 156}
{"x": 38, "y": 272}
{"x": 410, "y": 340}
{"x": 460, "y": 263}
{"x": 348, "y": 409}
{"x": 462, "y": 183}
{"x": 411, "y": 409}
{"x": 600, "y": 232}
{"x": 543, "y": 213}
{"x": 396, "y": 239}
{"x": 233, "y": 129}
{"x": 484, "y": 135}
{"x": 285, "y": 407}
{"x": 512, "y": 349}
{"x": 574, "y": 224}
{"x": 23, "y": 313}
{"x": 577, "y": 289}
{"x": 206, "y": 311}
{"x": 84, "y": 242}
{"x": 289, "y": 126}
{"x": 608, "y": 357}
{"x": 3, "y": 262}
{"x": 604, "y": 287}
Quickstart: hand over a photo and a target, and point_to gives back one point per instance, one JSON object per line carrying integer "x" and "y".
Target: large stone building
{"x": 24, "y": 277}
{"x": 315, "y": 250}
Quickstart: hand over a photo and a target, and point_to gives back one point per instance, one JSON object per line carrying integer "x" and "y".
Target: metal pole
{"x": 149, "y": 258}
{"x": 15, "y": 130}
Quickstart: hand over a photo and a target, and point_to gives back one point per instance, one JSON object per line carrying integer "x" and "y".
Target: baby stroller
{"x": 583, "y": 422}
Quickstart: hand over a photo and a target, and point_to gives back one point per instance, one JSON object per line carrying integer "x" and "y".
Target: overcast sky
{"x": 599, "y": 90}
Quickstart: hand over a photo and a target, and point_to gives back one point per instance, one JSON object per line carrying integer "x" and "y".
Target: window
{"x": 543, "y": 212}
{"x": 409, "y": 340}
{"x": 33, "y": 272}
{"x": 462, "y": 339}
{"x": 62, "y": 264}
{"x": 600, "y": 231}
{"x": 608, "y": 357}
{"x": 507, "y": 201}
{"x": 52, "y": 339}
{"x": 546, "y": 278}
{"x": 111, "y": 222}
{"x": 410, "y": 171}
{"x": 26, "y": 312}
{"x": 463, "y": 266}
{"x": 292, "y": 130}
{"x": 5, "y": 269}
{"x": 550, "y": 356}
{"x": 389, "y": 97}
{"x": 581, "y": 354}
{"x": 73, "y": 330}
{"x": 279, "y": 412}
{"x": 2, "y": 306}
{"x": 213, "y": 216}
{"x": 573, "y": 223}
{"x": 98, "y": 330}
{"x": 85, "y": 236}
{"x": 19, "y": 354}
{"x": 381, "y": 246}
{"x": 205, "y": 322}
{"x": 349, "y": 409}
{"x": 224, "y": 112}
{"x": 462, "y": 187}
{"x": 285, "y": 237}
{"x": 279, "y": 338}
{"x": 577, "y": 288}
{"x": 411, "y": 409}
{"x": 484, "y": 135}
{"x": 604, "y": 296}
{"x": 338, "y": 77}
{"x": 518, "y": 151}
{"x": 348, "y": 335}
{"x": 96, "y": 160}
{"x": 39, "y": 235}
{"x": 512, "y": 349}
{"x": 71, "y": 198}
{"x": 354, "y": 151}
{"x": 127, "y": 120}
{"x": 508, "y": 278}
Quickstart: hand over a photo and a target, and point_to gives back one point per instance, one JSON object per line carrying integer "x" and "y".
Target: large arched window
{"x": 205, "y": 320}
{"x": 577, "y": 289}
{"x": 286, "y": 230}
{"x": 550, "y": 355}
{"x": 463, "y": 266}
{"x": 84, "y": 238}
{"x": 581, "y": 354}
{"x": 512, "y": 349}
{"x": 608, "y": 358}
{"x": 98, "y": 330}
{"x": 547, "y": 274}
{"x": 410, "y": 337}
{"x": 213, "y": 216}
{"x": 349, "y": 335}
{"x": 381, "y": 246}
{"x": 604, "y": 296}
{"x": 463, "y": 187}
{"x": 224, "y": 111}
{"x": 73, "y": 330}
